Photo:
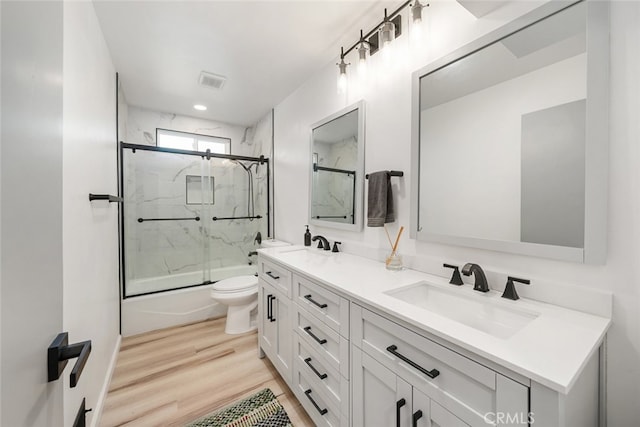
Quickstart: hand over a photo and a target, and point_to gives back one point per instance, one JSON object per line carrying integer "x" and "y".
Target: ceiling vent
{"x": 212, "y": 81}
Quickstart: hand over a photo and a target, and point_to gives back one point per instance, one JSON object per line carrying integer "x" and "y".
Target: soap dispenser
{"x": 307, "y": 237}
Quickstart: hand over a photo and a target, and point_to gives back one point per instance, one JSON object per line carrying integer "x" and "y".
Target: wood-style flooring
{"x": 173, "y": 376}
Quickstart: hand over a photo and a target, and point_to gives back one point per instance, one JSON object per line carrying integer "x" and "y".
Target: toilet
{"x": 240, "y": 295}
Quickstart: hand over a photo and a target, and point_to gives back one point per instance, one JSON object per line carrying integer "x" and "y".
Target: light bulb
{"x": 387, "y": 33}
{"x": 342, "y": 83}
{"x": 362, "y": 59}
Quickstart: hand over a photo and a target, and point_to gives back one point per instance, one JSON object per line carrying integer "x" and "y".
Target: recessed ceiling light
{"x": 200, "y": 107}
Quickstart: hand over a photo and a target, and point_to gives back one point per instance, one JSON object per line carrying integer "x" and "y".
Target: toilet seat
{"x": 236, "y": 284}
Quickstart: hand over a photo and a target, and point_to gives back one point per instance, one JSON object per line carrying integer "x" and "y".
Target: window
{"x": 192, "y": 141}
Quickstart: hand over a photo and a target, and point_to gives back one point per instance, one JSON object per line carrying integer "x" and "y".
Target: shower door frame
{"x": 203, "y": 155}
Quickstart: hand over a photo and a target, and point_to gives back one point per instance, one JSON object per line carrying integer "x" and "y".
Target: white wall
{"x": 90, "y": 229}
{"x": 388, "y": 146}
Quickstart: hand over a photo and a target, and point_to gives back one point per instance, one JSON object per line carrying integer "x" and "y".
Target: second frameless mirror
{"x": 337, "y": 165}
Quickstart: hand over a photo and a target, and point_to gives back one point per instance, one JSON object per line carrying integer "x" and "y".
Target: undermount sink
{"x": 470, "y": 310}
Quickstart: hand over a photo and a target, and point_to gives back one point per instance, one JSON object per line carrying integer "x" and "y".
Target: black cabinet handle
{"x": 311, "y": 300}
{"x": 399, "y": 404}
{"x": 268, "y": 273}
{"x": 307, "y": 329}
{"x": 269, "y": 306}
{"x": 431, "y": 374}
{"x": 273, "y": 318}
{"x": 322, "y": 411}
{"x": 315, "y": 371}
{"x": 416, "y": 416}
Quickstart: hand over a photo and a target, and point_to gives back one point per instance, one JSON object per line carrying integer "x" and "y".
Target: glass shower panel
{"x": 163, "y": 228}
{"x": 241, "y": 196}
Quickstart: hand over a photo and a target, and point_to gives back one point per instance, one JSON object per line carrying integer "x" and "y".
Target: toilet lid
{"x": 235, "y": 284}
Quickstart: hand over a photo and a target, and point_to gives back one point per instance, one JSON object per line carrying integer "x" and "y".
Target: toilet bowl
{"x": 240, "y": 295}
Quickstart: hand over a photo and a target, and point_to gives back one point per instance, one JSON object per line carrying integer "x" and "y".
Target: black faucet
{"x": 481, "y": 280}
{"x": 324, "y": 243}
{"x": 253, "y": 253}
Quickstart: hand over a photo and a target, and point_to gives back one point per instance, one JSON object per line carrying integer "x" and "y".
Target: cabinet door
{"x": 380, "y": 397}
{"x": 281, "y": 317}
{"x": 266, "y": 328}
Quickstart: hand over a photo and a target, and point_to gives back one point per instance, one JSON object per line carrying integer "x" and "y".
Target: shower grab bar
{"x": 216, "y": 218}
{"x": 109, "y": 197}
{"x": 169, "y": 219}
{"x": 328, "y": 216}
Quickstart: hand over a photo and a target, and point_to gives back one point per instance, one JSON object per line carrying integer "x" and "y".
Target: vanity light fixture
{"x": 363, "y": 48}
{"x": 387, "y": 31}
{"x": 200, "y": 107}
{"x": 342, "y": 73}
{"x": 380, "y": 36}
{"x": 416, "y": 12}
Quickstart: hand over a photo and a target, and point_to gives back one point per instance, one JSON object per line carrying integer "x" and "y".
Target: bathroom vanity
{"x": 363, "y": 346}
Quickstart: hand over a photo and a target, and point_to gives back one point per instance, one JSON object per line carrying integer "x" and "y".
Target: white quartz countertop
{"x": 551, "y": 349}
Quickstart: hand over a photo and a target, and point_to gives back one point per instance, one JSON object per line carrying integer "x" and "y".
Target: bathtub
{"x": 177, "y": 307}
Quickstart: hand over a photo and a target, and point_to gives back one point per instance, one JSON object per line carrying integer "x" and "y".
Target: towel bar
{"x": 391, "y": 173}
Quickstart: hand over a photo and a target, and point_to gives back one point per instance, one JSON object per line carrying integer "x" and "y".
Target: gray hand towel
{"x": 380, "y": 200}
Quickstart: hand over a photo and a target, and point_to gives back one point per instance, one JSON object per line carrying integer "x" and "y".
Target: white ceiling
{"x": 266, "y": 49}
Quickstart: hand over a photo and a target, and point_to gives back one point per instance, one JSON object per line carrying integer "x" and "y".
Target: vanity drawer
{"x": 333, "y": 347}
{"x": 322, "y": 375}
{"x": 332, "y": 309}
{"x": 277, "y": 276}
{"x": 456, "y": 379}
{"x": 313, "y": 399}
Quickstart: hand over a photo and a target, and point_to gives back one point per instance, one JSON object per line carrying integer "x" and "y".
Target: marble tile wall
{"x": 155, "y": 187}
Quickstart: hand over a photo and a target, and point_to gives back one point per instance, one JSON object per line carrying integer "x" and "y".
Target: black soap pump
{"x": 307, "y": 237}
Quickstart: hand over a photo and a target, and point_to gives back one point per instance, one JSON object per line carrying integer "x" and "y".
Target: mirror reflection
{"x": 502, "y": 138}
{"x": 336, "y": 172}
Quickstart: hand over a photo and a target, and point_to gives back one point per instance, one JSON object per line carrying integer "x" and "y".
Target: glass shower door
{"x": 238, "y": 215}
{"x": 166, "y": 198}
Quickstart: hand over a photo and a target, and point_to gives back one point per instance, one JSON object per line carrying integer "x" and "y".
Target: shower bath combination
{"x": 189, "y": 218}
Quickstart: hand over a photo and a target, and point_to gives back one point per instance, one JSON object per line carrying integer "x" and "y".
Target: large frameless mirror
{"x": 510, "y": 138}
{"x": 337, "y": 165}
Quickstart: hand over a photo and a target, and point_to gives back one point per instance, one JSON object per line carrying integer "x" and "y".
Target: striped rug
{"x": 259, "y": 410}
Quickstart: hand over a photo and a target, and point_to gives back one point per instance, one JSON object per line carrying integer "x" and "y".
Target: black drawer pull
{"x": 273, "y": 318}
{"x": 308, "y": 298}
{"x": 322, "y": 411}
{"x": 416, "y": 416}
{"x": 269, "y": 306}
{"x": 431, "y": 374}
{"x": 307, "y": 329}
{"x": 268, "y": 273}
{"x": 315, "y": 371}
{"x": 399, "y": 404}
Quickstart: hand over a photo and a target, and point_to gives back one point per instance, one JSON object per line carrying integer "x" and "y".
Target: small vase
{"x": 394, "y": 261}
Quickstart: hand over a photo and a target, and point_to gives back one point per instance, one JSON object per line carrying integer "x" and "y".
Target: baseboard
{"x": 97, "y": 410}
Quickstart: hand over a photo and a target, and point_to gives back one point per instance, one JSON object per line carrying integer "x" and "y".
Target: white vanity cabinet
{"x": 321, "y": 352}
{"x": 380, "y": 397}
{"x": 275, "y": 315}
{"x": 355, "y": 357}
{"x": 437, "y": 386}
{"x": 304, "y": 331}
